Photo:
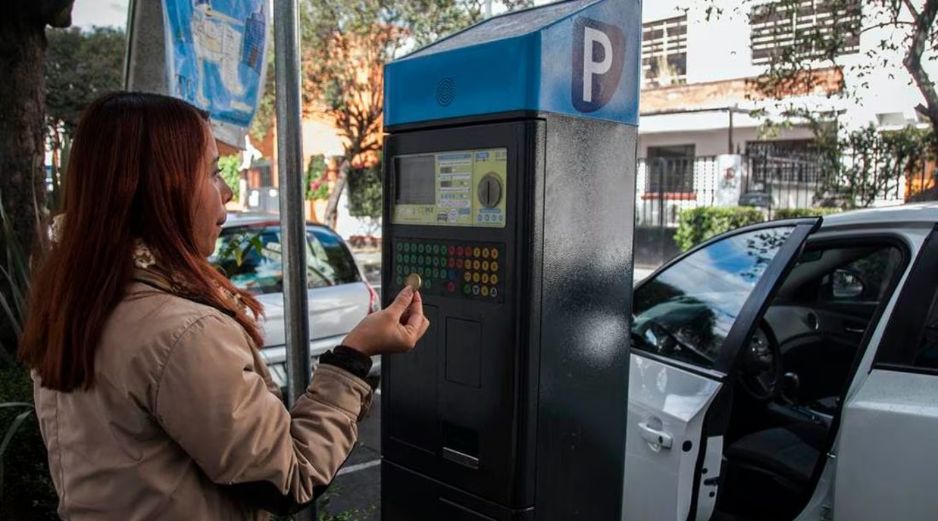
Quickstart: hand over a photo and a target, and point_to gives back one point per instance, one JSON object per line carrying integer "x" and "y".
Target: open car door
{"x": 690, "y": 319}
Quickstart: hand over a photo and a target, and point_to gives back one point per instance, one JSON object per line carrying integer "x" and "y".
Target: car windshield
{"x": 251, "y": 257}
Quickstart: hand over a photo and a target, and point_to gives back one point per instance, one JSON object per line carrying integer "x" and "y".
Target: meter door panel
{"x": 455, "y": 205}
{"x": 690, "y": 321}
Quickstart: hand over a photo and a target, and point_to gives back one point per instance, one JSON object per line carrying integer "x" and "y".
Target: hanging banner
{"x": 216, "y": 59}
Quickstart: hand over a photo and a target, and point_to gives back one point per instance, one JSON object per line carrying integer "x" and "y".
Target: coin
{"x": 414, "y": 281}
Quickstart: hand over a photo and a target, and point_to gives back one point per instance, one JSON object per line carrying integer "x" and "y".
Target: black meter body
{"x": 515, "y": 205}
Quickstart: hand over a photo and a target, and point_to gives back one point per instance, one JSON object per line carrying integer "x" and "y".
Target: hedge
{"x": 796, "y": 213}
{"x": 696, "y": 225}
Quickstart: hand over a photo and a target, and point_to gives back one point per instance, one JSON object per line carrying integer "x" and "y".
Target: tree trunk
{"x": 22, "y": 113}
{"x": 332, "y": 206}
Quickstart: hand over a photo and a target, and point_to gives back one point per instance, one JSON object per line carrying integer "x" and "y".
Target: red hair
{"x": 134, "y": 172}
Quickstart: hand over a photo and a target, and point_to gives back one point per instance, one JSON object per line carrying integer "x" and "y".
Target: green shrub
{"x": 696, "y": 225}
{"x": 797, "y": 213}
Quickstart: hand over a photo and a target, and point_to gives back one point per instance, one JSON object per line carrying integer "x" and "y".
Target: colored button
{"x": 485, "y": 278}
{"x": 476, "y": 265}
{"x": 485, "y": 253}
{"x": 493, "y": 279}
{"x": 485, "y": 265}
{"x": 451, "y": 263}
{"x": 467, "y": 276}
{"x": 420, "y": 248}
{"x": 459, "y": 251}
{"x": 485, "y": 291}
{"x": 494, "y": 266}
{"x": 436, "y": 261}
{"x": 476, "y": 277}
{"x": 428, "y": 284}
{"x": 467, "y": 264}
{"x": 475, "y": 289}
{"x": 398, "y": 257}
{"x": 399, "y": 246}
{"x": 400, "y": 269}
{"x": 453, "y": 274}
{"x": 467, "y": 289}
{"x": 494, "y": 292}
{"x": 421, "y": 260}
{"x": 494, "y": 253}
{"x": 450, "y": 286}
{"x": 451, "y": 250}
{"x": 399, "y": 280}
{"x": 476, "y": 252}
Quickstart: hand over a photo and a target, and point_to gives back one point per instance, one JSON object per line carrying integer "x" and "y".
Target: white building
{"x": 698, "y": 96}
{"x": 709, "y": 63}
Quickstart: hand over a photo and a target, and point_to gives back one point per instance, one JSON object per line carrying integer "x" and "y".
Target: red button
{"x": 459, "y": 251}
{"x": 452, "y": 263}
{"x": 451, "y": 286}
{"x": 452, "y": 250}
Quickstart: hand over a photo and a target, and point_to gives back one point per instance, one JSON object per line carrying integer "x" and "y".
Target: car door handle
{"x": 655, "y": 436}
{"x": 855, "y": 330}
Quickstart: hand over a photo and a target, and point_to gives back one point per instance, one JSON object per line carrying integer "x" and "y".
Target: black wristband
{"x": 351, "y": 360}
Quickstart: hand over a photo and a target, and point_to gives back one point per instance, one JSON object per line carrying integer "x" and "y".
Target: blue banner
{"x": 216, "y": 59}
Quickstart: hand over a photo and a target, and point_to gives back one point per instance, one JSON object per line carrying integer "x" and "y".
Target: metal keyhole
{"x": 490, "y": 190}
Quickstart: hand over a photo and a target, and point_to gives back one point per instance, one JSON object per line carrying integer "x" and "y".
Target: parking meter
{"x": 509, "y": 188}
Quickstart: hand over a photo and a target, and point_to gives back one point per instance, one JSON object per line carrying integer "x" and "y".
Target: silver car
{"x": 249, "y": 252}
{"x": 789, "y": 370}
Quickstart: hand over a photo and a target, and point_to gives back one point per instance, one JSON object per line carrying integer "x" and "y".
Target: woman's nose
{"x": 226, "y": 193}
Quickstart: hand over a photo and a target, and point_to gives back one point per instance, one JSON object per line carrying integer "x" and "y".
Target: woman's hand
{"x": 395, "y": 329}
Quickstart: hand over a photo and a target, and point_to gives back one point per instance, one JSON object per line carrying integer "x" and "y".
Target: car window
{"x": 252, "y": 259}
{"x": 329, "y": 261}
{"x": 686, "y": 311}
{"x": 864, "y": 280}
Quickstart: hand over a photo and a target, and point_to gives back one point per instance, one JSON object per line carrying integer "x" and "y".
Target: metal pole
{"x": 292, "y": 218}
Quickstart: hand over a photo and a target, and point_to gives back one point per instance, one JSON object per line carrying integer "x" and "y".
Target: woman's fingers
{"x": 401, "y": 303}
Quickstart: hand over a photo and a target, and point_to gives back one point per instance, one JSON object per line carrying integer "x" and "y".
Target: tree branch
{"x": 913, "y": 60}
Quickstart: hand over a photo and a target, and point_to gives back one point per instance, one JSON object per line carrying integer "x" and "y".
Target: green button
{"x": 413, "y": 259}
{"x": 420, "y": 248}
{"x": 399, "y": 246}
{"x": 400, "y": 280}
{"x": 400, "y": 269}
{"x": 428, "y": 284}
{"x": 438, "y": 249}
{"x": 465, "y": 288}
{"x": 436, "y": 261}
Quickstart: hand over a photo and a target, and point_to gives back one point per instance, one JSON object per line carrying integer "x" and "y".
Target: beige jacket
{"x": 184, "y": 422}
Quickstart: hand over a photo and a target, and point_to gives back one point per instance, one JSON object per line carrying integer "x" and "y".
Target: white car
{"x": 789, "y": 370}
{"x": 248, "y": 251}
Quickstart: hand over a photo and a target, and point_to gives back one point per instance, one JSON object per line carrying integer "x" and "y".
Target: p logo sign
{"x": 598, "y": 56}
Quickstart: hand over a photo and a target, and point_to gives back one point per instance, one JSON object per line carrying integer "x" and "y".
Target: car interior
{"x": 792, "y": 374}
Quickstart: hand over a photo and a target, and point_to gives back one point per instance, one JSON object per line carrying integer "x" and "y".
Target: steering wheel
{"x": 761, "y": 365}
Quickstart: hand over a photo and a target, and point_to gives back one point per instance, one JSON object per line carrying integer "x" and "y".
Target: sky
{"x": 88, "y": 13}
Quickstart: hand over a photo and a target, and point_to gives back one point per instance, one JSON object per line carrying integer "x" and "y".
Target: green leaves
{"x": 696, "y": 225}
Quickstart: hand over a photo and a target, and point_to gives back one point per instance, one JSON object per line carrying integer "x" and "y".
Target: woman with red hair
{"x": 153, "y": 399}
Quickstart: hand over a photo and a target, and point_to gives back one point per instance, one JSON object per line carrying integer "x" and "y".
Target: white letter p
{"x": 591, "y": 67}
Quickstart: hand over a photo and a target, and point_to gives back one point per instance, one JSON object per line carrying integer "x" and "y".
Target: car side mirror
{"x": 846, "y": 285}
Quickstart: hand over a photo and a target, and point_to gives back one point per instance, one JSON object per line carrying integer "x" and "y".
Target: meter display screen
{"x": 460, "y": 188}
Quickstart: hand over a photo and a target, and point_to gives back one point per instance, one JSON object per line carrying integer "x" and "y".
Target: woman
{"x": 152, "y": 397}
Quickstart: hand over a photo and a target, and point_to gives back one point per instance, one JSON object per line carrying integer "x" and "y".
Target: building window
{"x": 779, "y": 27}
{"x": 664, "y": 52}
{"x": 670, "y": 169}
{"x": 790, "y": 161}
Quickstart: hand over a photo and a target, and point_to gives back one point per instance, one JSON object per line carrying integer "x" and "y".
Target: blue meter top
{"x": 579, "y": 58}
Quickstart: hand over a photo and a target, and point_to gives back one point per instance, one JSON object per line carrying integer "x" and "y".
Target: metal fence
{"x": 667, "y": 186}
